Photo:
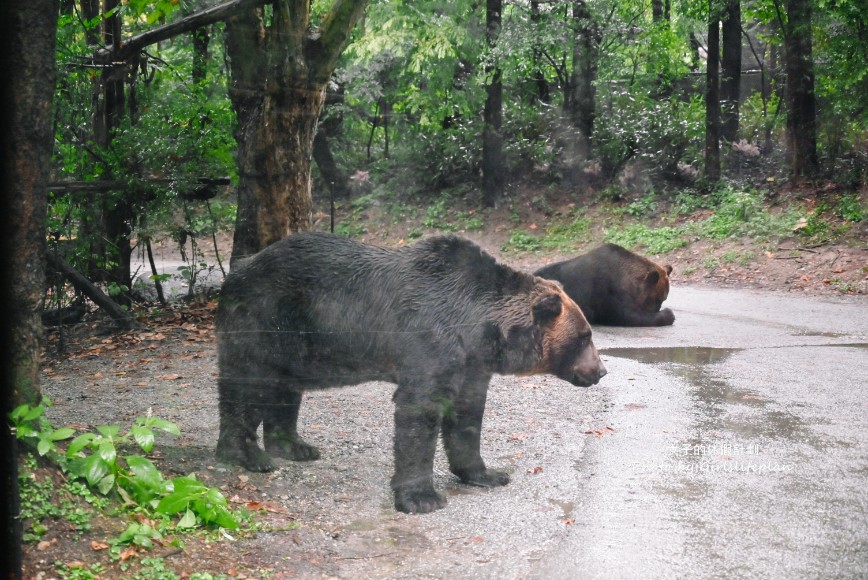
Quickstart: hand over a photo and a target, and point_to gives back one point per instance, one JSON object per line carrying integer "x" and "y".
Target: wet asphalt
{"x": 733, "y": 444}
{"x": 740, "y": 445}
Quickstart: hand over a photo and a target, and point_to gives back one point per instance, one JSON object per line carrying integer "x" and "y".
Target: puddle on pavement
{"x": 816, "y": 333}
{"x": 715, "y": 397}
{"x": 567, "y": 506}
{"x": 685, "y": 355}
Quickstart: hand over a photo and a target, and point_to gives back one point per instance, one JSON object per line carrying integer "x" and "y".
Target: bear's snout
{"x": 589, "y": 369}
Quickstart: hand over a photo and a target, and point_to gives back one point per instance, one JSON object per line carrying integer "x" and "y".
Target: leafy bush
{"x": 653, "y": 240}
{"x": 100, "y": 460}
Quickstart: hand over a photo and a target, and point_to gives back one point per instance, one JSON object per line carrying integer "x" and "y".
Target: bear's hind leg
{"x": 280, "y": 429}
{"x": 462, "y": 430}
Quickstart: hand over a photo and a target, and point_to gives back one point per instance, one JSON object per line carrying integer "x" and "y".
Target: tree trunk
{"x": 539, "y": 79}
{"x": 279, "y": 71}
{"x": 492, "y": 141}
{"x": 26, "y": 158}
{"x": 656, "y": 10}
{"x": 730, "y": 78}
{"x": 581, "y": 105}
{"x": 801, "y": 101}
{"x": 27, "y": 45}
{"x": 201, "y": 39}
{"x": 712, "y": 98}
{"x": 112, "y": 240}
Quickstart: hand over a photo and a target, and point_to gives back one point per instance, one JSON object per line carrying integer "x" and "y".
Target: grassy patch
{"x": 653, "y": 240}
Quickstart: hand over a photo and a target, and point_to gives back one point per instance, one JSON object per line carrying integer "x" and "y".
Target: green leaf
{"x": 62, "y": 433}
{"x": 44, "y": 446}
{"x": 107, "y": 451}
{"x": 174, "y": 503}
{"x": 188, "y": 521}
{"x": 79, "y": 443}
{"x": 109, "y": 431}
{"x": 23, "y": 431}
{"x": 106, "y": 484}
{"x": 163, "y": 425}
{"x": 32, "y": 412}
{"x": 19, "y": 411}
{"x": 144, "y": 437}
{"x": 95, "y": 469}
{"x": 145, "y": 472}
{"x": 78, "y": 467}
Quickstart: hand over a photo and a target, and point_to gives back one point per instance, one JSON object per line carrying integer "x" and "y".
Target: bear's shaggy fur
{"x": 437, "y": 318}
{"x": 614, "y": 286}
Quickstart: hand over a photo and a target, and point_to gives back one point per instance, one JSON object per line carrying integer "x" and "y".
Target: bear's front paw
{"x": 416, "y": 501}
{"x": 484, "y": 478}
{"x": 251, "y": 458}
{"x": 665, "y": 317}
{"x": 294, "y": 449}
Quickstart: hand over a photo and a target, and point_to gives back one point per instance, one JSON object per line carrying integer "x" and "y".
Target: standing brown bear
{"x": 614, "y": 286}
{"x": 438, "y": 318}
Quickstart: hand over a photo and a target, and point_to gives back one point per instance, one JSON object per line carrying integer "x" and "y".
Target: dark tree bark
{"x": 27, "y": 148}
{"x": 112, "y": 236}
{"x": 657, "y": 10}
{"x": 581, "y": 102}
{"x": 730, "y": 75}
{"x": 120, "y": 316}
{"x": 542, "y": 86}
{"x": 27, "y": 44}
{"x": 801, "y": 100}
{"x": 492, "y": 141}
{"x": 712, "y": 97}
{"x": 201, "y": 39}
{"x": 279, "y": 72}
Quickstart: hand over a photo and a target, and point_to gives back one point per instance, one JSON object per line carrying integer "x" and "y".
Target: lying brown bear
{"x": 438, "y": 318}
{"x": 614, "y": 286}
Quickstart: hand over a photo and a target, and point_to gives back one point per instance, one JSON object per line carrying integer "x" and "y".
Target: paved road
{"x": 740, "y": 446}
{"x": 733, "y": 444}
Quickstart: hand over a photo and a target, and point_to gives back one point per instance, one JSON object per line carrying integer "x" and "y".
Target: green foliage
{"x": 662, "y": 133}
{"x": 436, "y": 217}
{"x": 32, "y": 427}
{"x": 521, "y": 241}
{"x": 645, "y": 206}
{"x": 653, "y": 240}
{"x": 69, "y": 572}
{"x": 42, "y": 501}
{"x": 851, "y": 209}
{"x": 742, "y": 213}
{"x": 100, "y": 459}
{"x": 566, "y": 236}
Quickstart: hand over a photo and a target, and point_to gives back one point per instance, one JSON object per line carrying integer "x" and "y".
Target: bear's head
{"x": 652, "y": 287}
{"x": 558, "y": 338}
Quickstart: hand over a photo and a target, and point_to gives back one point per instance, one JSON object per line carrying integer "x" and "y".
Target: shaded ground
{"x": 334, "y": 517}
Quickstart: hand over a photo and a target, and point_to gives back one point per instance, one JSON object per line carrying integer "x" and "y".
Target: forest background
{"x": 534, "y": 126}
{"x": 729, "y": 137}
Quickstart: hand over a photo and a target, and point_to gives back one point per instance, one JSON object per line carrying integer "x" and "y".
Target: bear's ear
{"x": 547, "y": 307}
{"x": 668, "y": 269}
{"x": 652, "y": 277}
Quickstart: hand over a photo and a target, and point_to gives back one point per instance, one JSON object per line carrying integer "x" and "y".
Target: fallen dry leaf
{"x": 600, "y": 432}
{"x": 97, "y": 546}
{"x": 168, "y": 377}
